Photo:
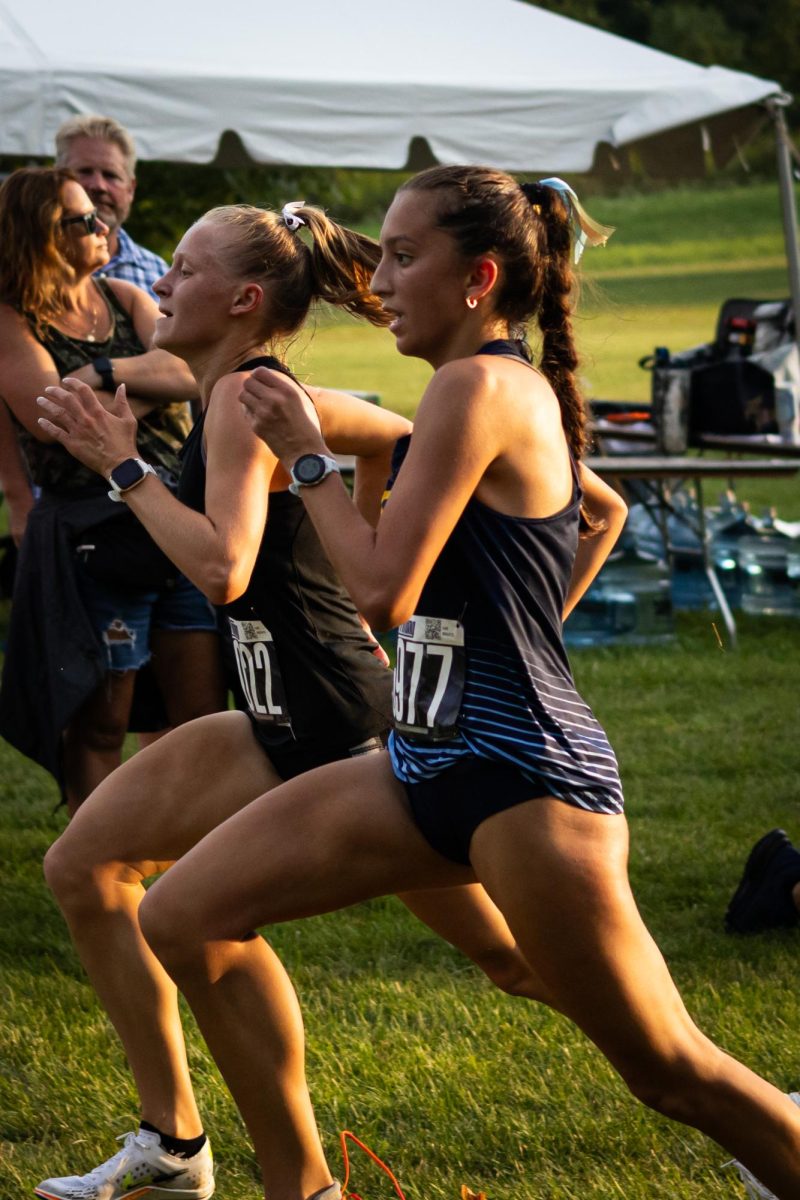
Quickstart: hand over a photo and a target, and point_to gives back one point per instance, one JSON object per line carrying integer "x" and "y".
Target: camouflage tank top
{"x": 160, "y": 434}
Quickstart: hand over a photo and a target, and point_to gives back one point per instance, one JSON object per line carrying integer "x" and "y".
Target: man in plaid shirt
{"x": 102, "y": 155}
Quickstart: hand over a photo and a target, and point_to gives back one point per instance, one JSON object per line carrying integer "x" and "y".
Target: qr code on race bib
{"x": 433, "y": 629}
{"x": 251, "y": 632}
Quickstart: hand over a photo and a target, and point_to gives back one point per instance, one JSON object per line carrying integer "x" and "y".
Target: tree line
{"x": 761, "y": 39}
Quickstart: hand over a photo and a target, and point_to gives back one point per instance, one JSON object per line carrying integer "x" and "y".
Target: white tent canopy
{"x": 371, "y": 83}
{"x": 350, "y": 83}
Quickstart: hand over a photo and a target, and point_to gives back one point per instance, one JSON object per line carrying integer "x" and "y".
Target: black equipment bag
{"x": 732, "y": 397}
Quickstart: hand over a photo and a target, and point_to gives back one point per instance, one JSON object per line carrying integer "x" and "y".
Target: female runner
{"x": 314, "y": 689}
{"x": 498, "y": 771}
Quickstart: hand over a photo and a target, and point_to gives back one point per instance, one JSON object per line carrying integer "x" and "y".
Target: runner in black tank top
{"x": 307, "y": 671}
{"x": 476, "y": 521}
{"x": 315, "y": 691}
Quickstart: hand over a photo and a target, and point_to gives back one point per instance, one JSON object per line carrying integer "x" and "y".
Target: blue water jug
{"x": 628, "y": 604}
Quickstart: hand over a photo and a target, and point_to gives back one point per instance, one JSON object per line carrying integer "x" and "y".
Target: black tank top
{"x": 160, "y": 434}
{"x": 482, "y": 667}
{"x": 306, "y": 667}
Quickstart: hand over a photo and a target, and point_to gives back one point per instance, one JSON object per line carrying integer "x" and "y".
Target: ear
{"x": 133, "y": 185}
{"x": 247, "y": 299}
{"x": 482, "y": 278}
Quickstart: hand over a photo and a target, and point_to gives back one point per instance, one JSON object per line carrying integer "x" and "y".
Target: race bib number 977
{"x": 429, "y": 677}
{"x": 259, "y": 673}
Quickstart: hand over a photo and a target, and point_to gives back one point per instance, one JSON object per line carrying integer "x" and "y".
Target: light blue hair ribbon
{"x": 586, "y": 229}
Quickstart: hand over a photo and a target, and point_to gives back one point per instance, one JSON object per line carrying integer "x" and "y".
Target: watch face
{"x": 309, "y": 468}
{"x": 126, "y": 474}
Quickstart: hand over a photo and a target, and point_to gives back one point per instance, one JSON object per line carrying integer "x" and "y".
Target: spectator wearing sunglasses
{"x": 95, "y": 599}
{"x": 101, "y": 154}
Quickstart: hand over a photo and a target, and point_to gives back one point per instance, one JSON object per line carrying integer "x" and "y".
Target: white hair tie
{"x": 587, "y": 230}
{"x": 289, "y": 214}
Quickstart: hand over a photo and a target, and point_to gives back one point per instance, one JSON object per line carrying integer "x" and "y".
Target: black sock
{"x": 180, "y": 1147}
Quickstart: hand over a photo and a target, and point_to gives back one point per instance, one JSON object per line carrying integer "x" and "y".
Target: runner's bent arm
{"x": 215, "y": 549}
{"x": 607, "y": 507}
{"x": 457, "y": 434}
{"x": 354, "y": 426}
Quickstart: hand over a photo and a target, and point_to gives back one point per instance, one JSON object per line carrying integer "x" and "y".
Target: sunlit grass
{"x": 409, "y": 1046}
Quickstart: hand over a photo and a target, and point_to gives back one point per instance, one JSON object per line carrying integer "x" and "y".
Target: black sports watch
{"x": 311, "y": 469}
{"x": 126, "y": 476}
{"x": 105, "y": 369}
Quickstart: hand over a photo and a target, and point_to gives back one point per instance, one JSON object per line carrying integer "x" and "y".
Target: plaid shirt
{"x": 134, "y": 263}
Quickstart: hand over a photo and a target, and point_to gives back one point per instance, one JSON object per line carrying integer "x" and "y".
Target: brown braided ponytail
{"x": 554, "y": 314}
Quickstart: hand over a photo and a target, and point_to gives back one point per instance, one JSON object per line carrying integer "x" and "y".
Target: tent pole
{"x": 775, "y": 107}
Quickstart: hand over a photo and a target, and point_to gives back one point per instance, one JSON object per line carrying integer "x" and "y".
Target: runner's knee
{"x": 69, "y": 877}
{"x": 169, "y": 929}
{"x": 177, "y": 935}
{"x": 78, "y": 883}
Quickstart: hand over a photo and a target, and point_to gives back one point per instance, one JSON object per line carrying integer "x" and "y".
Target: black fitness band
{"x": 105, "y": 369}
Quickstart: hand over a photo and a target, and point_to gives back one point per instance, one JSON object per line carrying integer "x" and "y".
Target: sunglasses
{"x": 88, "y": 220}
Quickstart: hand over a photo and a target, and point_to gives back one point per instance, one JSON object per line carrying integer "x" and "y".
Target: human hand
{"x": 101, "y": 437}
{"x": 281, "y": 414}
{"x": 377, "y": 649}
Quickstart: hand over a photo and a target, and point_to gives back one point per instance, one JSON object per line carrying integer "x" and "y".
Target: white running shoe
{"x": 755, "y": 1189}
{"x": 142, "y": 1168}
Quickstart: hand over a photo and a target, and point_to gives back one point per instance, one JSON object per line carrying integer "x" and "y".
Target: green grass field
{"x": 409, "y": 1047}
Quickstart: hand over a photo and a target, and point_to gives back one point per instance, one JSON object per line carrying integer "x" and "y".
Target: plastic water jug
{"x": 770, "y": 566}
{"x": 628, "y": 604}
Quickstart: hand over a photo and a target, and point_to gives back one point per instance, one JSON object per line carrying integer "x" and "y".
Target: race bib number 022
{"x": 429, "y": 677}
{"x": 259, "y": 673}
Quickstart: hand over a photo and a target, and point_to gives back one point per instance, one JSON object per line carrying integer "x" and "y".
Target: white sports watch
{"x": 126, "y": 476}
{"x": 311, "y": 469}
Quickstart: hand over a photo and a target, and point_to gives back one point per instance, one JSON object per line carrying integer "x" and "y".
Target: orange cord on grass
{"x": 466, "y": 1194}
{"x": 345, "y": 1134}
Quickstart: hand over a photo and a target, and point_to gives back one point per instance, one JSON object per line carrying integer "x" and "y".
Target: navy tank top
{"x": 306, "y": 668}
{"x": 481, "y": 667}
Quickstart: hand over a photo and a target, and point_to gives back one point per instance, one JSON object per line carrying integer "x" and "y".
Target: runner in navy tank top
{"x": 311, "y": 686}
{"x": 494, "y": 601}
{"x": 469, "y": 257}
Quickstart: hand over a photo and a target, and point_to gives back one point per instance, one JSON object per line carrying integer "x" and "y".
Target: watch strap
{"x": 331, "y": 467}
{"x": 105, "y": 369}
{"x": 117, "y": 493}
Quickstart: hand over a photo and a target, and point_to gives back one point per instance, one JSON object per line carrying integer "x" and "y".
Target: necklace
{"x": 95, "y": 314}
